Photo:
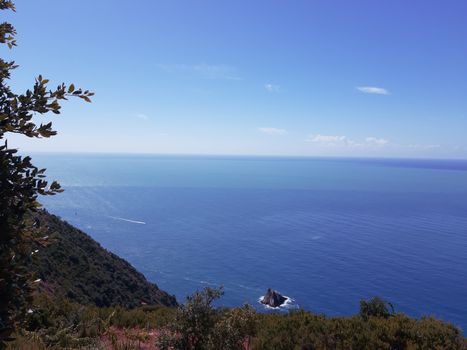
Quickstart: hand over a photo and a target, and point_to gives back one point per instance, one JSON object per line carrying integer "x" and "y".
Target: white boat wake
{"x": 128, "y": 220}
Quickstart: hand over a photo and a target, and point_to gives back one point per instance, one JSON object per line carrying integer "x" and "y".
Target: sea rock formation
{"x": 273, "y": 298}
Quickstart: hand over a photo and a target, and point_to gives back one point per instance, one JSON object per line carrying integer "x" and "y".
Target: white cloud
{"x": 373, "y": 90}
{"x": 368, "y": 144}
{"x": 273, "y": 131}
{"x": 376, "y": 141}
{"x": 353, "y": 143}
{"x": 203, "y": 70}
{"x": 329, "y": 139}
{"x": 344, "y": 141}
{"x": 423, "y": 147}
{"x": 272, "y": 87}
{"x": 142, "y": 116}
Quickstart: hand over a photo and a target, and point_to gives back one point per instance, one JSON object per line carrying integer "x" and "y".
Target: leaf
{"x": 71, "y": 88}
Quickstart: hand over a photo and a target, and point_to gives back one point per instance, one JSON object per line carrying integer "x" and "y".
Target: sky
{"x": 358, "y": 78}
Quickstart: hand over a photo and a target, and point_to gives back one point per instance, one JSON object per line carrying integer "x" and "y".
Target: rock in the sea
{"x": 273, "y": 298}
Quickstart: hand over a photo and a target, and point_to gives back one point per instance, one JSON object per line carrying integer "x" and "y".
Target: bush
{"x": 303, "y": 330}
{"x": 375, "y": 307}
{"x": 198, "y": 326}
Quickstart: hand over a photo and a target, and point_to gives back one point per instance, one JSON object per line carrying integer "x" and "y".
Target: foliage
{"x": 234, "y": 329}
{"x": 304, "y": 330}
{"x": 75, "y": 266}
{"x": 20, "y": 181}
{"x": 193, "y": 322}
{"x": 198, "y": 325}
{"x": 57, "y": 322}
{"x": 375, "y": 307}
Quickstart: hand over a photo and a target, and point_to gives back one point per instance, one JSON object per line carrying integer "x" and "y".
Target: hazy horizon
{"x": 240, "y": 155}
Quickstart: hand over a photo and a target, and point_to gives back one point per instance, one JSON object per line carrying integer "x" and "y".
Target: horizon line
{"x": 235, "y": 155}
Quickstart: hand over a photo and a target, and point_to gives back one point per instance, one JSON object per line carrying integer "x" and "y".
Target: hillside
{"x": 71, "y": 264}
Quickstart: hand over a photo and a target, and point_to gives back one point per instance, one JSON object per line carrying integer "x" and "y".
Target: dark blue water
{"x": 326, "y": 232}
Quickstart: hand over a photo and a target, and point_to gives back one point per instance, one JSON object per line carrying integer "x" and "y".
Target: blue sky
{"x": 317, "y": 78}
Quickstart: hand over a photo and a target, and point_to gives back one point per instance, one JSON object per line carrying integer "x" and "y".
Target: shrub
{"x": 375, "y": 307}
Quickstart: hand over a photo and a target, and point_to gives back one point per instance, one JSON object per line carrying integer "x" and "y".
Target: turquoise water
{"x": 325, "y": 232}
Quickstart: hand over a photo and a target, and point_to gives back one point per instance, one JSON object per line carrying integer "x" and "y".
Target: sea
{"x": 325, "y": 232}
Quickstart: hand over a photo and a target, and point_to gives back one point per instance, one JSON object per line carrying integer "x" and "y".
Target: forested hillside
{"x": 70, "y": 263}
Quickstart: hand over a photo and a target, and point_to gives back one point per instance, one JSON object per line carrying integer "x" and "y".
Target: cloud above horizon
{"x": 423, "y": 147}
{"x": 376, "y": 141}
{"x": 344, "y": 141}
{"x": 373, "y": 90}
{"x": 272, "y": 131}
{"x": 370, "y": 143}
{"x": 272, "y": 87}
{"x": 318, "y": 138}
{"x": 203, "y": 70}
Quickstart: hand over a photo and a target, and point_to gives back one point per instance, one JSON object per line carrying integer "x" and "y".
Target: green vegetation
{"x": 199, "y": 326}
{"x": 74, "y": 266}
{"x": 375, "y": 307}
{"x": 304, "y": 330}
{"x": 58, "y": 323}
{"x": 20, "y": 181}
